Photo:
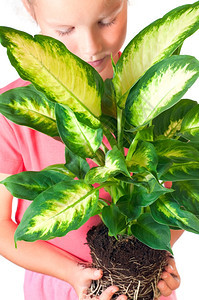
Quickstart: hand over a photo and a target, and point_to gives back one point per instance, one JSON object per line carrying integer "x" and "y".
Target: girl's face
{"x": 91, "y": 29}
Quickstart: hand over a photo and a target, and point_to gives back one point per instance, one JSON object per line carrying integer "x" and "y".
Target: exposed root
{"x": 137, "y": 292}
{"x": 132, "y": 287}
{"x": 136, "y": 277}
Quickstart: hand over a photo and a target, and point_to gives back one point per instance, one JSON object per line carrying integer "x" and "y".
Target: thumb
{"x": 93, "y": 274}
{"x": 88, "y": 275}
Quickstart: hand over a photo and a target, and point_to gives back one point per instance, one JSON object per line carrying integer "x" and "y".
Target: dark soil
{"x": 127, "y": 263}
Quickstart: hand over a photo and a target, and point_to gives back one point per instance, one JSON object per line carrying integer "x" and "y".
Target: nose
{"x": 91, "y": 44}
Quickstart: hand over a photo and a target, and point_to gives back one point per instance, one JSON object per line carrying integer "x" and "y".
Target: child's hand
{"x": 170, "y": 279}
{"x": 83, "y": 282}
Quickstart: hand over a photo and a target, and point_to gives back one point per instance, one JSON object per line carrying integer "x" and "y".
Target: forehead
{"x": 71, "y": 10}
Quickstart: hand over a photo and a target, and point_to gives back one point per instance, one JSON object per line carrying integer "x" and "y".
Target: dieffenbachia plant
{"x": 153, "y": 134}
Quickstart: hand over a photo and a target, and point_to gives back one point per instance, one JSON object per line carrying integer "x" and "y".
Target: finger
{"x": 171, "y": 268}
{"x": 84, "y": 295}
{"x": 108, "y": 293}
{"x": 87, "y": 275}
{"x": 122, "y": 297}
{"x": 172, "y": 281}
{"x": 92, "y": 274}
{"x": 164, "y": 289}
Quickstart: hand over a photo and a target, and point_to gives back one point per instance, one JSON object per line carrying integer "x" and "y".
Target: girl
{"x": 93, "y": 30}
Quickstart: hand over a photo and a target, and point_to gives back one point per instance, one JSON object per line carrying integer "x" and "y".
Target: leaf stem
{"x": 120, "y": 128}
{"x": 106, "y": 184}
{"x": 105, "y": 201}
{"x": 131, "y": 149}
{"x": 109, "y": 136}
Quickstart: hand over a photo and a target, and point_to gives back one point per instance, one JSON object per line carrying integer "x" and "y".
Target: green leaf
{"x": 76, "y": 164}
{"x": 78, "y": 137}
{"x": 166, "y": 211}
{"x": 108, "y": 100}
{"x": 178, "y": 50}
{"x": 61, "y": 168}
{"x": 190, "y": 125}
{"x": 29, "y": 107}
{"x": 186, "y": 193}
{"x": 144, "y": 157}
{"x": 63, "y": 207}
{"x": 176, "y": 151}
{"x": 154, "y": 43}
{"x": 169, "y": 123}
{"x": 149, "y": 232}
{"x": 181, "y": 171}
{"x": 114, "y": 164}
{"x": 128, "y": 207}
{"x": 145, "y": 195}
{"x": 113, "y": 219}
{"x": 161, "y": 87}
{"x": 148, "y": 180}
{"x": 54, "y": 70}
{"x": 146, "y": 134}
{"x": 28, "y": 185}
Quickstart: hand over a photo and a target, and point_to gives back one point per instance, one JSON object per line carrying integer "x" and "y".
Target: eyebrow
{"x": 113, "y": 13}
{"x": 116, "y": 11}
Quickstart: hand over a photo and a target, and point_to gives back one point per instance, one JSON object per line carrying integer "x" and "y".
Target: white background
{"x": 141, "y": 13}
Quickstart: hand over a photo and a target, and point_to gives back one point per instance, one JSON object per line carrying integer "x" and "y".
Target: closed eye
{"x": 65, "y": 32}
{"x": 107, "y": 24}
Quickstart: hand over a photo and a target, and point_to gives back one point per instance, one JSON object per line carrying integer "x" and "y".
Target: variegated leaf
{"x": 54, "y": 70}
{"x": 181, "y": 171}
{"x": 161, "y": 87}
{"x": 186, "y": 193}
{"x": 168, "y": 124}
{"x": 28, "y": 185}
{"x": 176, "y": 151}
{"x": 154, "y": 43}
{"x": 61, "y": 168}
{"x": 78, "y": 137}
{"x": 114, "y": 164}
{"x": 146, "y": 188}
{"x": 146, "y": 179}
{"x": 166, "y": 211}
{"x": 108, "y": 100}
{"x": 190, "y": 125}
{"x": 144, "y": 157}
{"x": 29, "y": 107}
{"x": 63, "y": 207}
{"x": 151, "y": 233}
{"x": 145, "y": 134}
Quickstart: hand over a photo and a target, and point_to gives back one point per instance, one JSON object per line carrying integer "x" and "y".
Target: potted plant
{"x": 153, "y": 137}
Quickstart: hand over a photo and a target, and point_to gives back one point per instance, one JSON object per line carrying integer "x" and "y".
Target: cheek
{"x": 71, "y": 45}
{"x": 122, "y": 35}
{"x": 117, "y": 38}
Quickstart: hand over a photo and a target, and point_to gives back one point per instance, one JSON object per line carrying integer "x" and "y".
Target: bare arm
{"x": 41, "y": 256}
{"x": 175, "y": 235}
{"x": 37, "y": 256}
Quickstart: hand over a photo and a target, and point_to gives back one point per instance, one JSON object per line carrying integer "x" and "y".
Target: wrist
{"x": 69, "y": 269}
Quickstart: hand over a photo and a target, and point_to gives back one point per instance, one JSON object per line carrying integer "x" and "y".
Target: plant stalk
{"x": 120, "y": 129}
{"x": 131, "y": 149}
{"x": 109, "y": 136}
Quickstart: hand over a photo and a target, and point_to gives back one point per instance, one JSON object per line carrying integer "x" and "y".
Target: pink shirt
{"x": 25, "y": 149}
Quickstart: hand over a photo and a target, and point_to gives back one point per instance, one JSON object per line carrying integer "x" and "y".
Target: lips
{"x": 96, "y": 63}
